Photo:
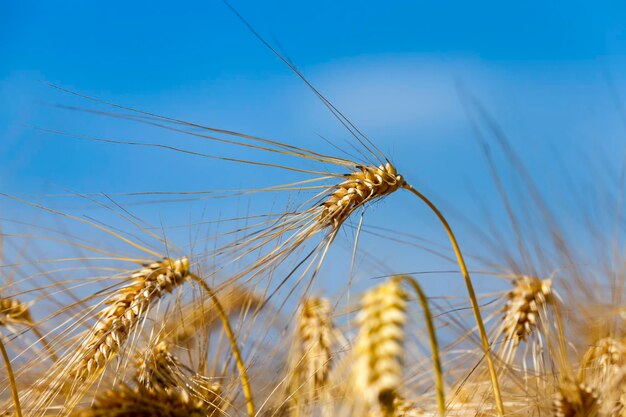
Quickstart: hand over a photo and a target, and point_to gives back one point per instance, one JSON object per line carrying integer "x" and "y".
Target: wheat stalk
{"x": 14, "y": 392}
{"x": 377, "y": 372}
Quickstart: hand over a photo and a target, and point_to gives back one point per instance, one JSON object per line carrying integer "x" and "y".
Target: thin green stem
{"x": 434, "y": 345}
{"x": 243, "y": 373}
{"x": 7, "y": 363}
{"x": 472, "y": 295}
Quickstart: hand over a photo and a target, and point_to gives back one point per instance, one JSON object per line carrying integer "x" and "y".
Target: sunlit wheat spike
{"x": 576, "y": 400}
{"x": 361, "y": 186}
{"x": 603, "y": 362}
{"x": 159, "y": 369}
{"x": 124, "y": 311}
{"x": 13, "y": 311}
{"x": 142, "y": 402}
{"x": 379, "y": 349}
{"x": 606, "y": 352}
{"x": 312, "y": 350}
{"x": 522, "y": 310}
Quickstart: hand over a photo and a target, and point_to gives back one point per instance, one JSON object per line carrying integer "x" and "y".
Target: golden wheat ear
{"x": 603, "y": 360}
{"x": 126, "y": 401}
{"x": 379, "y": 348}
{"x": 527, "y": 317}
{"x": 14, "y": 312}
{"x": 158, "y": 369}
{"x": 124, "y": 312}
{"x": 576, "y": 400}
{"x": 311, "y": 354}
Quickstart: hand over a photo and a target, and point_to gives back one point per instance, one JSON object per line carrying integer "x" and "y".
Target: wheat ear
{"x": 13, "y": 311}
{"x": 142, "y": 402}
{"x": 124, "y": 312}
{"x": 361, "y": 186}
{"x": 379, "y": 348}
{"x": 159, "y": 369}
{"x": 472, "y": 296}
{"x": 576, "y": 400}
{"x": 312, "y": 349}
{"x": 522, "y": 311}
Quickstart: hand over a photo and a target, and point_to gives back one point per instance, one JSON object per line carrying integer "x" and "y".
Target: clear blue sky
{"x": 542, "y": 69}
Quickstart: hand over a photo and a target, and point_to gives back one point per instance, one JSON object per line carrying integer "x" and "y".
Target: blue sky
{"x": 546, "y": 71}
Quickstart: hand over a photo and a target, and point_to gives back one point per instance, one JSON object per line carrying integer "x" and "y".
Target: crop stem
{"x": 243, "y": 374}
{"x": 434, "y": 345}
{"x": 472, "y": 295}
{"x": 7, "y": 363}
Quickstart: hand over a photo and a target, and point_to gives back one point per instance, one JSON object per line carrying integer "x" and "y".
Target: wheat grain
{"x": 377, "y": 372}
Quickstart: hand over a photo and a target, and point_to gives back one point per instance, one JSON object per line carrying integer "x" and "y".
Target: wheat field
{"x": 292, "y": 299}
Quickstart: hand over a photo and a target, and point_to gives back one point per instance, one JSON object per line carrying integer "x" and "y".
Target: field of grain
{"x": 322, "y": 280}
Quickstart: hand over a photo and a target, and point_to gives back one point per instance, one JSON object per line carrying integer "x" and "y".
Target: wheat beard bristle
{"x": 361, "y": 186}
{"x": 522, "y": 310}
{"x": 14, "y": 312}
{"x": 124, "y": 312}
{"x": 379, "y": 346}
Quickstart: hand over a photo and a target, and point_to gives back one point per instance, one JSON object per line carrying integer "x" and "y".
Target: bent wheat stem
{"x": 14, "y": 394}
{"x": 472, "y": 295}
{"x": 434, "y": 345}
{"x": 243, "y": 374}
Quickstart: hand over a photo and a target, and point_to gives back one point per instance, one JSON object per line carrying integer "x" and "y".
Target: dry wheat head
{"x": 14, "y": 312}
{"x": 522, "y": 310}
{"x": 124, "y": 311}
{"x": 159, "y": 369}
{"x": 315, "y": 329}
{"x": 361, "y": 186}
{"x": 576, "y": 400}
{"x": 379, "y": 349}
{"x": 142, "y": 402}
